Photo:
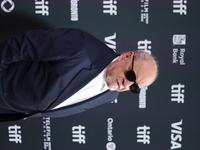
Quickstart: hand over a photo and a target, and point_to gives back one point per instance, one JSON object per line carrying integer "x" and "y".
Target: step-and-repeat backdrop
{"x": 164, "y": 116}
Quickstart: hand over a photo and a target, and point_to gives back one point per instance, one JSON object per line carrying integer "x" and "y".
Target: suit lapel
{"x": 100, "y": 99}
{"x": 76, "y": 84}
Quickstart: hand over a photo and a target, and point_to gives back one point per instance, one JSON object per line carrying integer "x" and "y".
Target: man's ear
{"x": 126, "y": 55}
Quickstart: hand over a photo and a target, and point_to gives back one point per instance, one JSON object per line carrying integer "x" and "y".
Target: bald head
{"x": 145, "y": 68}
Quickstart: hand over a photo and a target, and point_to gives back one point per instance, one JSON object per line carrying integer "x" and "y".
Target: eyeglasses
{"x": 130, "y": 75}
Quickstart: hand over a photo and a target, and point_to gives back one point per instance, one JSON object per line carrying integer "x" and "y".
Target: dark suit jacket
{"x": 41, "y": 69}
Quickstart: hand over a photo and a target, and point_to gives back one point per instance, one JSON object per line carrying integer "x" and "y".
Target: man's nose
{"x": 128, "y": 83}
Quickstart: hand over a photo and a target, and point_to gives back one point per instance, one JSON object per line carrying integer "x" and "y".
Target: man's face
{"x": 145, "y": 72}
{"x": 115, "y": 74}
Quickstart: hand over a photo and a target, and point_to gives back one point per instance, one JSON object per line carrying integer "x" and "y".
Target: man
{"x": 63, "y": 72}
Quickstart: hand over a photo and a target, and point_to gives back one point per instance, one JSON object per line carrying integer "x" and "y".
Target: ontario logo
{"x": 111, "y": 146}
{"x": 7, "y": 6}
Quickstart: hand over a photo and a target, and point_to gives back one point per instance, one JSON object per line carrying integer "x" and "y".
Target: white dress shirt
{"x": 93, "y": 88}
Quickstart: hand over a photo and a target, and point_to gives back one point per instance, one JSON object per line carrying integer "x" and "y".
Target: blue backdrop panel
{"x": 163, "y": 116}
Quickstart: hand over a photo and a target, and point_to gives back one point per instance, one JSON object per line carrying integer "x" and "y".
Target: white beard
{"x": 111, "y": 83}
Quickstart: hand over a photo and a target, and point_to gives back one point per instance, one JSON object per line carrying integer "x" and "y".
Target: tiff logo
{"x": 180, "y": 7}
{"x": 110, "y": 7}
{"x": 145, "y": 5}
{"x": 177, "y": 93}
{"x": 143, "y": 135}
{"x": 78, "y": 134}
{"x": 14, "y": 134}
{"x": 42, "y": 7}
{"x": 145, "y": 45}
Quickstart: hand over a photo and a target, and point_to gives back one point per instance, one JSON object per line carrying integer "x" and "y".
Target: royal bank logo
{"x": 176, "y": 135}
{"x": 180, "y": 7}
{"x": 177, "y": 93}
{"x": 110, "y": 7}
{"x": 178, "y": 56}
{"x": 41, "y": 7}
{"x": 179, "y": 40}
{"x": 7, "y": 6}
{"x": 47, "y": 132}
{"x": 78, "y": 134}
{"x": 74, "y": 10}
{"x": 145, "y": 11}
{"x": 110, "y": 41}
{"x": 14, "y": 133}
{"x": 143, "y": 134}
{"x": 145, "y": 45}
{"x": 110, "y": 145}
